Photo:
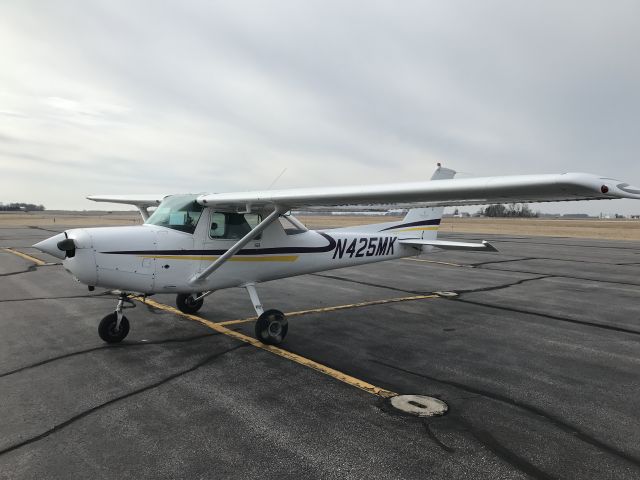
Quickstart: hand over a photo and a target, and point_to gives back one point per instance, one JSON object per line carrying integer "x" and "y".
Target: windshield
{"x": 179, "y": 212}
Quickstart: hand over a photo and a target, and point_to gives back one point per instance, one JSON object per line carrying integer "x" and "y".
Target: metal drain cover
{"x": 446, "y": 294}
{"x": 419, "y": 405}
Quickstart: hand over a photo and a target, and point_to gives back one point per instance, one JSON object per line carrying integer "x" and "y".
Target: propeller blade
{"x": 68, "y": 246}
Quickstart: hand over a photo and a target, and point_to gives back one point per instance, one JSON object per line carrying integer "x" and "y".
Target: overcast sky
{"x": 100, "y": 97}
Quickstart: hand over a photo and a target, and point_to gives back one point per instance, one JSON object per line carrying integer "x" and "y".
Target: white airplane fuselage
{"x": 154, "y": 259}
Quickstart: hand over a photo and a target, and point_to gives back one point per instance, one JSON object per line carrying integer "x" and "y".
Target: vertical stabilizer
{"x": 424, "y": 222}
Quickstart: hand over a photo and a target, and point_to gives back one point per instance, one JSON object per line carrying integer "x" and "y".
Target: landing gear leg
{"x": 115, "y": 327}
{"x": 271, "y": 326}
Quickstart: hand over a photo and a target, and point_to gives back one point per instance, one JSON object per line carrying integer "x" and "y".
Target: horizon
{"x": 448, "y": 212}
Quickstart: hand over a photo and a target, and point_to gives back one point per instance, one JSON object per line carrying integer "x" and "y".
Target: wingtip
{"x": 489, "y": 247}
{"x": 625, "y": 190}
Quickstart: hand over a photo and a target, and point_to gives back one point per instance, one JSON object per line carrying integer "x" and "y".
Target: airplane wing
{"x": 136, "y": 200}
{"x": 468, "y": 191}
{"x": 141, "y": 202}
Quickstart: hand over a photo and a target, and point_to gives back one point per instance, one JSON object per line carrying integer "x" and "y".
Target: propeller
{"x": 68, "y": 246}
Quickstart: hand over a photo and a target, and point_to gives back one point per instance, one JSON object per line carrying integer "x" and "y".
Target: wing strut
{"x": 257, "y": 230}
{"x": 144, "y": 212}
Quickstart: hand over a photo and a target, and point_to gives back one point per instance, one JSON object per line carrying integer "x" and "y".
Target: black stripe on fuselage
{"x": 249, "y": 251}
{"x": 433, "y": 221}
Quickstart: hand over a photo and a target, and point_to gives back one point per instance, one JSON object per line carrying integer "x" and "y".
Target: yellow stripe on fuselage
{"x": 414, "y": 229}
{"x": 280, "y": 258}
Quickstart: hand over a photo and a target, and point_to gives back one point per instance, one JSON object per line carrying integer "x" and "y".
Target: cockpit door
{"x": 224, "y": 230}
{"x": 178, "y": 242}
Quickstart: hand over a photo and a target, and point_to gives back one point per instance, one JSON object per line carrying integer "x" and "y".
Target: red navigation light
{"x": 604, "y": 189}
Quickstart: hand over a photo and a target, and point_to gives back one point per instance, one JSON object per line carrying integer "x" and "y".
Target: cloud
{"x": 135, "y": 97}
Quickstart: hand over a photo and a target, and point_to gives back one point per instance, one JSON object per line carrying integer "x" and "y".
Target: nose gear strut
{"x": 115, "y": 327}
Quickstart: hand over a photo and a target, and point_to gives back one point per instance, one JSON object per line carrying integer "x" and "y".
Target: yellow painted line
{"x": 35, "y": 260}
{"x": 343, "y": 377}
{"x": 439, "y": 263}
{"x": 338, "y": 307}
{"x": 281, "y": 258}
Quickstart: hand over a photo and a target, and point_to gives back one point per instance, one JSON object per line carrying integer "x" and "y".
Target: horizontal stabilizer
{"x": 445, "y": 245}
{"x": 141, "y": 202}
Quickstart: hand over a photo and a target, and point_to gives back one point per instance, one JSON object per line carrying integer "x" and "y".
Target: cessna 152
{"x": 193, "y": 245}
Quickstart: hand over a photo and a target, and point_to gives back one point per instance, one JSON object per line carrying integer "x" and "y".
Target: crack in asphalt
{"x": 109, "y": 347}
{"x": 475, "y": 265}
{"x": 481, "y": 265}
{"x": 75, "y": 418}
{"x": 459, "y": 298}
{"x": 31, "y": 268}
{"x": 500, "y": 287}
{"x": 102, "y": 296}
{"x": 368, "y": 284}
{"x": 600, "y": 280}
{"x": 33, "y": 227}
{"x": 418, "y": 292}
{"x": 591, "y": 262}
{"x": 509, "y": 456}
{"x": 21, "y": 237}
{"x": 431, "y": 434}
{"x": 555, "y": 421}
{"x": 551, "y": 317}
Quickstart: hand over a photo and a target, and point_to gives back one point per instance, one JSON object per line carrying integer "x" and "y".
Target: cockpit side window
{"x": 178, "y": 212}
{"x": 232, "y": 225}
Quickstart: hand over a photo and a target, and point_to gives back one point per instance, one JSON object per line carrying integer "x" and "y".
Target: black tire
{"x": 107, "y": 328}
{"x": 272, "y": 327}
{"x": 185, "y": 303}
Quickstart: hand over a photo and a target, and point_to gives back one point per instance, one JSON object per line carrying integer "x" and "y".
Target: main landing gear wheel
{"x": 110, "y": 331}
{"x": 271, "y": 327}
{"x": 186, "y": 303}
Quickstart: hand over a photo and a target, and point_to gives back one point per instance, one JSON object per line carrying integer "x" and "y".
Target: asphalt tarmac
{"x": 537, "y": 357}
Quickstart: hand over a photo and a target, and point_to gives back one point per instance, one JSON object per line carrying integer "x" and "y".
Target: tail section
{"x": 419, "y": 223}
{"x": 424, "y": 222}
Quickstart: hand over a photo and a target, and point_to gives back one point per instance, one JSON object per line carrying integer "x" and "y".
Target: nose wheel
{"x": 115, "y": 327}
{"x": 112, "y": 331}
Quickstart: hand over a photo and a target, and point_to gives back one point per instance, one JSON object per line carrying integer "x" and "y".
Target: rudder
{"x": 424, "y": 222}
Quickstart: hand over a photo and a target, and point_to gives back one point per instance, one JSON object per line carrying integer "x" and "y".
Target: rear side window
{"x": 289, "y": 227}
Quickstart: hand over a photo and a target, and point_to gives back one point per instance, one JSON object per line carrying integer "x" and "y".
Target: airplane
{"x": 195, "y": 244}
